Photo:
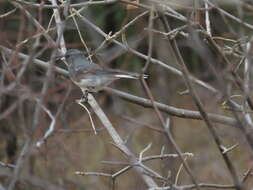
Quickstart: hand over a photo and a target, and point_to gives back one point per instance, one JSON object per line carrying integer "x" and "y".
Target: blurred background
{"x": 123, "y": 34}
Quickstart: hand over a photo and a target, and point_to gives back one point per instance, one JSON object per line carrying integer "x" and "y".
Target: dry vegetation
{"x": 188, "y": 126}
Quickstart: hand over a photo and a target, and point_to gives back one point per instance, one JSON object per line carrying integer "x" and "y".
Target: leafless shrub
{"x": 188, "y": 126}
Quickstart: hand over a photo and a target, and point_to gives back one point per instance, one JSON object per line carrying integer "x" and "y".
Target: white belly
{"x": 94, "y": 84}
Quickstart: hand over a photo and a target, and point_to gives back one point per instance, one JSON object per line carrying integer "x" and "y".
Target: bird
{"x": 91, "y": 77}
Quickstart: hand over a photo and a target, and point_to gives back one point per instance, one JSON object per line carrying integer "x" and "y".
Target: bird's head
{"x": 73, "y": 53}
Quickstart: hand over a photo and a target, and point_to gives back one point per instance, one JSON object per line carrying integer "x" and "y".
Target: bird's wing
{"x": 82, "y": 71}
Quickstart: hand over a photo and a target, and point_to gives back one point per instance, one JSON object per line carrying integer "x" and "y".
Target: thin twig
{"x": 200, "y": 107}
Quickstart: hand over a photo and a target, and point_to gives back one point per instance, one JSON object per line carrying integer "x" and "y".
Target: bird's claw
{"x": 84, "y": 97}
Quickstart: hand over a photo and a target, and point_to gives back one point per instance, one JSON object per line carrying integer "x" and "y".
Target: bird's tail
{"x": 131, "y": 76}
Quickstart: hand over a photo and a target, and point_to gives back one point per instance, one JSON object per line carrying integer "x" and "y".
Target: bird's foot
{"x": 84, "y": 97}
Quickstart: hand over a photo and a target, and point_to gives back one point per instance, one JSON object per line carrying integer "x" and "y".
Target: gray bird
{"x": 92, "y": 77}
